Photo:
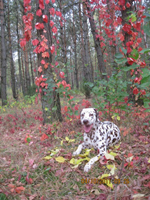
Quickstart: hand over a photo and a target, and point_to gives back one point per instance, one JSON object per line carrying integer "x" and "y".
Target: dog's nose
{"x": 85, "y": 121}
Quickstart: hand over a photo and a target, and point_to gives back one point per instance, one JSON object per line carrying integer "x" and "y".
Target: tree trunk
{"x": 81, "y": 43}
{"x": 51, "y": 101}
{"x": 75, "y": 54}
{"x": 31, "y": 64}
{"x": 19, "y": 54}
{"x": 63, "y": 47}
{"x": 3, "y": 56}
{"x": 100, "y": 58}
{"x": 27, "y": 75}
{"x": 12, "y": 67}
{"x": 87, "y": 71}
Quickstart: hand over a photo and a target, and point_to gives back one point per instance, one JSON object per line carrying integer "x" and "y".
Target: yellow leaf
{"x": 53, "y": 152}
{"x": 74, "y": 161}
{"x": 109, "y": 156}
{"x": 110, "y": 166}
{"x": 118, "y": 118}
{"x": 60, "y": 159}
{"x": 61, "y": 143}
{"x": 117, "y": 146}
{"x": 67, "y": 139}
{"x": 112, "y": 172}
{"x": 47, "y": 157}
{"x": 106, "y": 180}
{"x": 87, "y": 151}
{"x": 112, "y": 153}
{"x": 149, "y": 161}
{"x": 71, "y": 140}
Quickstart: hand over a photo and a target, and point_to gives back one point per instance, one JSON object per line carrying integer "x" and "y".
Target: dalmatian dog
{"x": 97, "y": 134}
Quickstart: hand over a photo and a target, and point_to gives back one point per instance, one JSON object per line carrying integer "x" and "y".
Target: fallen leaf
{"x": 138, "y": 196}
{"x": 19, "y": 189}
{"x": 109, "y": 156}
{"x": 95, "y": 191}
{"x": 60, "y": 159}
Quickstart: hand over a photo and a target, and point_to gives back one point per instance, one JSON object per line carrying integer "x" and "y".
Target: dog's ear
{"x": 97, "y": 114}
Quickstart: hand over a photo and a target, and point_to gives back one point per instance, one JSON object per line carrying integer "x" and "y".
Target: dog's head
{"x": 89, "y": 116}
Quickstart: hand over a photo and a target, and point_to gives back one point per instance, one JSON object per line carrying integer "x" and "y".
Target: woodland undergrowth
{"x": 36, "y": 161}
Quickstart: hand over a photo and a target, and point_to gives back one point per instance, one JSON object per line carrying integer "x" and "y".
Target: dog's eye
{"x": 82, "y": 115}
{"x": 91, "y": 115}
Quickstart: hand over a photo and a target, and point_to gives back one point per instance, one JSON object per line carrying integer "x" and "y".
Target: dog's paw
{"x": 87, "y": 168}
{"x": 75, "y": 153}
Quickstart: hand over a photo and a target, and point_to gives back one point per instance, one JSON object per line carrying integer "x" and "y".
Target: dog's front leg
{"x": 102, "y": 151}
{"x": 79, "y": 149}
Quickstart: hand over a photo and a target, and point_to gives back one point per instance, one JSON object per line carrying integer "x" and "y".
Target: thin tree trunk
{"x": 31, "y": 64}
{"x": 87, "y": 71}
{"x": 81, "y": 43}
{"x": 75, "y": 53}
{"x": 100, "y": 58}
{"x": 12, "y": 67}
{"x": 27, "y": 75}
{"x": 19, "y": 54}
{"x": 51, "y": 103}
{"x": 3, "y": 56}
{"x": 63, "y": 42}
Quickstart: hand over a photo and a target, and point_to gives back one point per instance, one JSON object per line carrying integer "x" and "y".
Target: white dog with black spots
{"x": 97, "y": 134}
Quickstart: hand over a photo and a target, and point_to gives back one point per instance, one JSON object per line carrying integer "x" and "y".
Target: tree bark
{"x": 12, "y": 67}
{"x": 31, "y": 65}
{"x": 51, "y": 103}
{"x": 100, "y": 58}
{"x": 3, "y": 56}
{"x": 21, "y": 80}
{"x": 75, "y": 53}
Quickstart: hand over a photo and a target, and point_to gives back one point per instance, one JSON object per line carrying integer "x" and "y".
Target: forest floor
{"x": 36, "y": 161}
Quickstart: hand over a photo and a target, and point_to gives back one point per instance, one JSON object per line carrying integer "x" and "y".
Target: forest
{"x": 56, "y": 58}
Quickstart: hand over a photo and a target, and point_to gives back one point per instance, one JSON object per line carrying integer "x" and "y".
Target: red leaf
{"x": 40, "y": 69}
{"x": 35, "y": 42}
{"x": 39, "y": 26}
{"x": 58, "y": 13}
{"x": 143, "y": 92}
{"x": 135, "y": 91}
{"x": 54, "y": 29}
{"x": 42, "y": 62}
{"x": 61, "y": 74}
{"x": 45, "y": 18}
{"x": 131, "y": 61}
{"x": 139, "y": 40}
{"x": 147, "y": 185}
{"x": 47, "y": 1}
{"x": 41, "y": 4}
{"x": 45, "y": 54}
{"x": 53, "y": 1}
{"x": 44, "y": 137}
{"x": 52, "y": 11}
{"x": 65, "y": 108}
{"x": 52, "y": 48}
{"x": 39, "y": 12}
{"x": 51, "y": 23}
{"x": 128, "y": 5}
{"x": 23, "y": 42}
{"x": 19, "y": 189}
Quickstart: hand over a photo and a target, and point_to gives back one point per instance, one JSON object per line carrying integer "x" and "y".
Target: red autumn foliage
{"x": 45, "y": 18}
{"x": 61, "y": 74}
{"x": 135, "y": 91}
{"x": 52, "y": 11}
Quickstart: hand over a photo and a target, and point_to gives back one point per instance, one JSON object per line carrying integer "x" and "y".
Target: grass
{"x": 24, "y": 174}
